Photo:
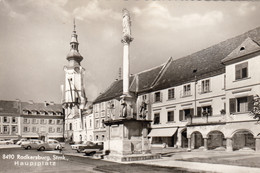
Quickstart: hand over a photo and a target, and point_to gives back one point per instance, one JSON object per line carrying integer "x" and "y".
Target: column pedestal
{"x": 189, "y": 144}
{"x": 257, "y": 144}
{"x": 205, "y": 144}
{"x": 229, "y": 144}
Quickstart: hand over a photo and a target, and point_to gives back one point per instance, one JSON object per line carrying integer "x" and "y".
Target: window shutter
{"x": 161, "y": 96}
{"x": 250, "y": 103}
{"x": 199, "y": 111}
{"x": 238, "y": 71}
{"x": 191, "y": 112}
{"x": 232, "y": 105}
{"x": 211, "y": 111}
{"x": 180, "y": 115}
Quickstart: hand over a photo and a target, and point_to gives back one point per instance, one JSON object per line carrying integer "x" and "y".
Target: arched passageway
{"x": 243, "y": 139}
{"x": 196, "y": 140}
{"x": 216, "y": 139}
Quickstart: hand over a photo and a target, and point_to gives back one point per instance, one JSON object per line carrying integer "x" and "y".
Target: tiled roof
{"x": 9, "y": 106}
{"x": 114, "y": 91}
{"x": 41, "y": 107}
{"x": 206, "y": 62}
{"x": 144, "y": 80}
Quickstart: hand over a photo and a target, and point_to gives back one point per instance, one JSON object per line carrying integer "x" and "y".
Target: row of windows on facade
{"x": 9, "y": 120}
{"x": 241, "y": 73}
{"x": 6, "y": 129}
{"x": 102, "y": 106}
{"x": 35, "y": 129}
{"x": 205, "y": 88}
{"x": 42, "y": 121}
{"x": 237, "y": 105}
{"x": 100, "y": 139}
{"x": 26, "y": 112}
{"x": 97, "y": 125}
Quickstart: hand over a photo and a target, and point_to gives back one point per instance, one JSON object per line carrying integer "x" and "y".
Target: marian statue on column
{"x": 126, "y": 27}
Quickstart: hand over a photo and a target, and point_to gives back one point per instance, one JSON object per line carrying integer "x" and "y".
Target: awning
{"x": 164, "y": 132}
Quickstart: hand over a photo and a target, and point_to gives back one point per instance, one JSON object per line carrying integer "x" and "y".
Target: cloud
{"x": 31, "y": 8}
{"x": 92, "y": 11}
{"x": 245, "y": 8}
{"x": 156, "y": 15}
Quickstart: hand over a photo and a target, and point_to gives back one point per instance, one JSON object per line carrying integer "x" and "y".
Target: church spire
{"x": 74, "y": 54}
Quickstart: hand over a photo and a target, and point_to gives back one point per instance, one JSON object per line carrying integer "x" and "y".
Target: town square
{"x": 129, "y": 86}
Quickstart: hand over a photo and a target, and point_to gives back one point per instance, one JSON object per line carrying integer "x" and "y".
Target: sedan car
{"x": 20, "y": 141}
{"x": 32, "y": 144}
{"x": 91, "y": 148}
{"x": 6, "y": 141}
{"x": 76, "y": 146}
{"x": 51, "y": 144}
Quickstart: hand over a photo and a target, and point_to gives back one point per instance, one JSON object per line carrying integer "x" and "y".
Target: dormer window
{"x": 242, "y": 48}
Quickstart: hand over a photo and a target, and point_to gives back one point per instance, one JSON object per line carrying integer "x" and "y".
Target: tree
{"x": 256, "y": 108}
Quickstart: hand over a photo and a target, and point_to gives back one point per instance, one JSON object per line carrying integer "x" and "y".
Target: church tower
{"x": 74, "y": 99}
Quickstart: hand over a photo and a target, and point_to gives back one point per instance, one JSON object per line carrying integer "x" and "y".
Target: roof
{"x": 145, "y": 79}
{"x": 9, "y": 106}
{"x": 247, "y": 47}
{"x": 204, "y": 63}
{"x": 41, "y": 107}
{"x": 115, "y": 90}
{"x": 138, "y": 83}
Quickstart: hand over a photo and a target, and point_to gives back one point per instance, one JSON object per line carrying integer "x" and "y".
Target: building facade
{"x": 201, "y": 101}
{"x": 31, "y": 120}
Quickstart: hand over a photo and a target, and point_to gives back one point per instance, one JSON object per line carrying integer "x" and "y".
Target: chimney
{"x": 51, "y": 102}
{"x": 46, "y": 103}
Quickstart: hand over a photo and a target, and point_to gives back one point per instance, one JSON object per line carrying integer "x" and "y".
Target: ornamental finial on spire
{"x": 74, "y": 25}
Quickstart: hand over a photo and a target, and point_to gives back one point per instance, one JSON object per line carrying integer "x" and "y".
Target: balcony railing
{"x": 207, "y": 119}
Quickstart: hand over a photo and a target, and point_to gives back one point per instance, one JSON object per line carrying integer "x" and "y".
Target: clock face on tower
{"x": 76, "y": 69}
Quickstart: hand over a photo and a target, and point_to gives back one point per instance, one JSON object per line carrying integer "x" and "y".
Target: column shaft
{"x": 126, "y": 69}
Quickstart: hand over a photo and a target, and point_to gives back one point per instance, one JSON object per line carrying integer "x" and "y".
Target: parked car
{"x": 91, "y": 148}
{"x": 20, "y": 141}
{"x": 51, "y": 144}
{"x": 76, "y": 146}
{"x": 6, "y": 141}
{"x": 32, "y": 144}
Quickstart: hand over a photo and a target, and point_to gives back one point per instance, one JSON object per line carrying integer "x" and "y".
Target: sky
{"x": 35, "y": 36}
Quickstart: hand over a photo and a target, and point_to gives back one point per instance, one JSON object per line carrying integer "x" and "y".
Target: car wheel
{"x": 92, "y": 153}
{"x": 41, "y": 148}
{"x": 7, "y": 143}
{"x": 29, "y": 147}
